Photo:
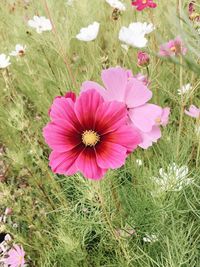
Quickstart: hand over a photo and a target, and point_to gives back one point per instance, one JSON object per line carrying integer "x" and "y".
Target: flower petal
{"x": 86, "y": 106}
{"x": 110, "y": 155}
{"x": 64, "y": 163}
{"x": 144, "y": 117}
{"x": 137, "y": 93}
{"x": 115, "y": 81}
{"x": 87, "y": 164}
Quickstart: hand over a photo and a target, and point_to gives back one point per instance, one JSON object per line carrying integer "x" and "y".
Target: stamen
{"x": 90, "y": 138}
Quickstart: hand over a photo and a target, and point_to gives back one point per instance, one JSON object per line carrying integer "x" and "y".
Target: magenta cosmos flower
{"x": 173, "y": 48}
{"x": 142, "y": 4}
{"x": 193, "y": 112}
{"x": 89, "y": 135}
{"x": 122, "y": 86}
{"x": 15, "y": 257}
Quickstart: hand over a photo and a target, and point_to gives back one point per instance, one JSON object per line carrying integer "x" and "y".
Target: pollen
{"x": 158, "y": 120}
{"x": 144, "y": 1}
{"x": 173, "y": 49}
{"x": 90, "y": 138}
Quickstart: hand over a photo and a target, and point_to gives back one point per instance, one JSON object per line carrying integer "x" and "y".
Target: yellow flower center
{"x": 144, "y": 1}
{"x": 173, "y": 49}
{"x": 90, "y": 138}
{"x": 158, "y": 120}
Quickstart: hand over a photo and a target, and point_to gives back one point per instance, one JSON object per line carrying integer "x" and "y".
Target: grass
{"x": 70, "y": 221}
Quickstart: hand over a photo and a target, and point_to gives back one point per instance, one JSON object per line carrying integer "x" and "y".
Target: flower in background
{"x": 15, "y": 257}
{"x": 185, "y": 89}
{"x": 193, "y": 15}
{"x": 142, "y": 4}
{"x": 143, "y": 59}
{"x": 19, "y": 51}
{"x": 134, "y": 34}
{"x": 174, "y": 47}
{"x": 70, "y": 2}
{"x": 89, "y": 33}
{"x": 150, "y": 238}
{"x": 41, "y": 24}
{"x": 123, "y": 87}
{"x": 142, "y": 78}
{"x": 175, "y": 178}
{"x": 193, "y": 112}
{"x": 4, "y": 61}
{"x": 139, "y": 162}
{"x": 89, "y": 135}
{"x": 116, "y": 4}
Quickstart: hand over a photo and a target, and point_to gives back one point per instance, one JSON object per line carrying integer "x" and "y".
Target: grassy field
{"x": 127, "y": 218}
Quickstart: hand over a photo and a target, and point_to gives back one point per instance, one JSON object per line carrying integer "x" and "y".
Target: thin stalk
{"x": 65, "y": 59}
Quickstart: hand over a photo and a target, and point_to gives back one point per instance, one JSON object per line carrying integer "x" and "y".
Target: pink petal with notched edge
{"x": 93, "y": 85}
{"x": 64, "y": 163}
{"x": 150, "y": 137}
{"x": 110, "y": 155}
{"x": 87, "y": 164}
{"x": 125, "y": 136}
{"x": 115, "y": 81}
{"x": 61, "y": 136}
{"x": 86, "y": 106}
{"x": 110, "y": 116}
{"x": 63, "y": 108}
{"x": 165, "y": 116}
{"x": 193, "y": 112}
{"x": 137, "y": 93}
{"x": 144, "y": 117}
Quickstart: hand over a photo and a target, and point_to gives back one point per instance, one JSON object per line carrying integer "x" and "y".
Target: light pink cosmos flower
{"x": 142, "y": 78}
{"x": 15, "y": 257}
{"x": 89, "y": 135}
{"x": 122, "y": 86}
{"x": 174, "y": 47}
{"x": 193, "y": 112}
{"x": 142, "y": 4}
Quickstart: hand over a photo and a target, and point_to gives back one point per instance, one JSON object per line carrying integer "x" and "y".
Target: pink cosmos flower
{"x": 15, "y": 257}
{"x": 89, "y": 135}
{"x": 193, "y": 112}
{"x": 142, "y": 4}
{"x": 142, "y": 59}
{"x": 173, "y": 48}
{"x": 123, "y": 87}
{"x": 142, "y": 78}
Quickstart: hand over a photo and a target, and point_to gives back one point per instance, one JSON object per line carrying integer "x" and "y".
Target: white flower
{"x": 70, "y": 2}
{"x": 174, "y": 179}
{"x": 41, "y": 24}
{"x": 4, "y": 61}
{"x": 185, "y": 89}
{"x": 19, "y": 50}
{"x": 89, "y": 33}
{"x": 150, "y": 238}
{"x": 116, "y": 4}
{"x": 134, "y": 34}
{"x": 139, "y": 162}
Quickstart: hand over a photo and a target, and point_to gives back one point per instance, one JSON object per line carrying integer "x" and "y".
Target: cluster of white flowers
{"x": 174, "y": 179}
{"x": 185, "y": 89}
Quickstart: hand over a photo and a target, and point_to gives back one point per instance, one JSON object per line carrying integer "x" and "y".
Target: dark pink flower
{"x": 143, "y": 59}
{"x": 142, "y": 4}
{"x": 15, "y": 257}
{"x": 174, "y": 47}
{"x": 89, "y": 135}
{"x": 123, "y": 87}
